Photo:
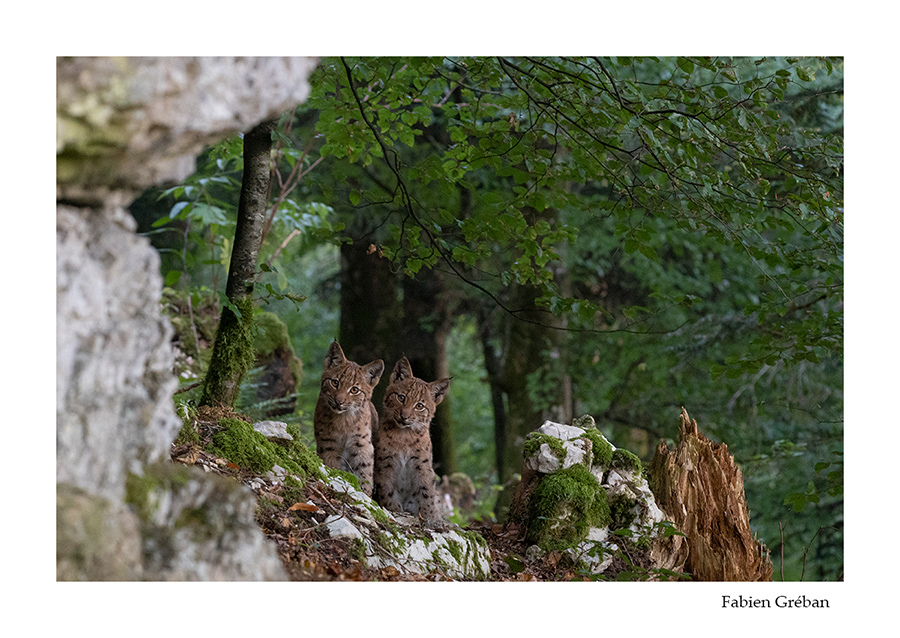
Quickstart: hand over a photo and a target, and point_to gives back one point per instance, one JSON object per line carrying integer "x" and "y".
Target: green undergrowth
{"x": 239, "y": 443}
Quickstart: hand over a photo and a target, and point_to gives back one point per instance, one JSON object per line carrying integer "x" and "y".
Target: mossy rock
{"x": 534, "y": 441}
{"x": 621, "y": 509}
{"x": 601, "y": 449}
{"x": 627, "y": 461}
{"x": 564, "y": 505}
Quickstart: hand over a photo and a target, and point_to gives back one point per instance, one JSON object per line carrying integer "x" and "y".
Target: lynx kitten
{"x": 345, "y": 416}
{"x": 404, "y": 476}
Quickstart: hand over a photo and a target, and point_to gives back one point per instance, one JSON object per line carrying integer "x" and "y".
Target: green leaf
{"x": 172, "y": 278}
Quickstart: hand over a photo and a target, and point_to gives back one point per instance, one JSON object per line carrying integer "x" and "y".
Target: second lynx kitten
{"x": 404, "y": 476}
{"x": 345, "y": 416}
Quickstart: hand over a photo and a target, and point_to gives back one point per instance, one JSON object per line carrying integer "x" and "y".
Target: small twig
{"x": 186, "y": 388}
{"x": 806, "y": 551}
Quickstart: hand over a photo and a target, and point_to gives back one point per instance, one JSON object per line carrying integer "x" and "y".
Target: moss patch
{"x": 621, "y": 509}
{"x": 601, "y": 448}
{"x": 347, "y": 476}
{"x": 233, "y": 354}
{"x": 248, "y": 449}
{"x": 156, "y": 478}
{"x": 625, "y": 460}
{"x": 272, "y": 335}
{"x": 536, "y": 439}
{"x": 564, "y": 505}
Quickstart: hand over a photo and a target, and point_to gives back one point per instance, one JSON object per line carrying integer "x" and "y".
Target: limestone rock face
{"x": 96, "y": 539}
{"x": 200, "y": 527}
{"x": 114, "y": 381}
{"x": 125, "y": 124}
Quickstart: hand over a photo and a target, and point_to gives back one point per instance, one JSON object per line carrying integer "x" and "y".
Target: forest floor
{"x": 291, "y": 518}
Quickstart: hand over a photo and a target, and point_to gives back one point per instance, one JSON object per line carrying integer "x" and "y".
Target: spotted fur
{"x": 345, "y": 415}
{"x": 404, "y": 475}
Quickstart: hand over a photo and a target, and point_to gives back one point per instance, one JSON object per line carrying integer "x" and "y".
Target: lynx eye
{"x": 420, "y": 406}
{"x": 354, "y": 390}
{"x": 334, "y": 383}
{"x": 401, "y": 398}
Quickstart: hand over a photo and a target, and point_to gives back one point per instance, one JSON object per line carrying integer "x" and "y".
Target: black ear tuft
{"x": 402, "y": 370}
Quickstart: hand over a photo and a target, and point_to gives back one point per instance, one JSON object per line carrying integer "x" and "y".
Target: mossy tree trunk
{"x": 233, "y": 351}
{"x": 701, "y": 490}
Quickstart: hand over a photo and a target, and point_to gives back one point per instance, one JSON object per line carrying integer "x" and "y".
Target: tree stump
{"x": 701, "y": 490}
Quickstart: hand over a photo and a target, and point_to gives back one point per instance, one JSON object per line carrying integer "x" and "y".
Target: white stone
{"x": 339, "y": 527}
{"x": 560, "y": 431}
{"x": 276, "y": 474}
{"x": 546, "y": 461}
{"x": 418, "y": 555}
{"x": 340, "y": 485}
{"x": 273, "y": 430}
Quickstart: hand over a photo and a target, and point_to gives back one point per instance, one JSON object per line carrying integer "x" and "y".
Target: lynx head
{"x": 410, "y": 402}
{"x": 347, "y": 386}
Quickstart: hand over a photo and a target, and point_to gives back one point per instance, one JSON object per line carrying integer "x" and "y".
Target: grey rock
{"x": 275, "y": 431}
{"x": 125, "y": 124}
{"x": 96, "y": 539}
{"x": 199, "y": 527}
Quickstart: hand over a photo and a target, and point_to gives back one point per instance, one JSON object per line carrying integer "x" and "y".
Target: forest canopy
{"x": 563, "y": 236}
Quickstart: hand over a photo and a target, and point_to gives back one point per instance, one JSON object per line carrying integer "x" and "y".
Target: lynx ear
{"x": 335, "y": 356}
{"x": 401, "y": 371}
{"x": 438, "y": 389}
{"x": 373, "y": 371}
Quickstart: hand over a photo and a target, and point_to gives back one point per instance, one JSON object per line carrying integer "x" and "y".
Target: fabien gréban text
{"x": 782, "y": 602}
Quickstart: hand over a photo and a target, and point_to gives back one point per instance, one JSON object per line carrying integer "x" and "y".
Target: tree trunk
{"x": 371, "y": 313}
{"x": 533, "y": 378}
{"x": 701, "y": 490}
{"x": 494, "y": 369}
{"x": 233, "y": 350}
{"x": 424, "y": 343}
{"x": 531, "y": 350}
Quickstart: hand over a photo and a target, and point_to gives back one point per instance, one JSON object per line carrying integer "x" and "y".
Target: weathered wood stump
{"x": 701, "y": 490}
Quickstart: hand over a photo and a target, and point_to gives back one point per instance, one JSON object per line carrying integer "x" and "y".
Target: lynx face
{"x": 404, "y": 474}
{"x": 345, "y": 416}
{"x": 347, "y": 386}
{"x": 410, "y": 402}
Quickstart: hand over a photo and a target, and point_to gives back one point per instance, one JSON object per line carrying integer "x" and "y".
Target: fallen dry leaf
{"x": 524, "y": 576}
{"x": 190, "y": 457}
{"x": 306, "y": 507}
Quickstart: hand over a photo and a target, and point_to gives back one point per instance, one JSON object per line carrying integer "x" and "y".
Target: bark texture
{"x": 233, "y": 351}
{"x": 701, "y": 489}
